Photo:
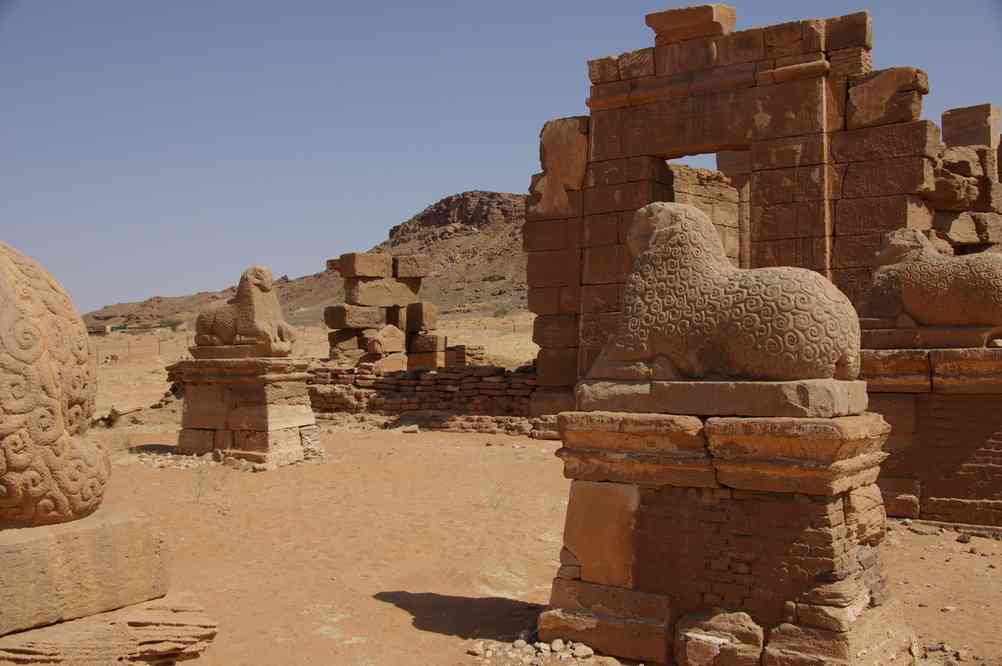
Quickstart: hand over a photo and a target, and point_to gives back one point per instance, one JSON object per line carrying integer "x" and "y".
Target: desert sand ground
{"x": 405, "y": 548}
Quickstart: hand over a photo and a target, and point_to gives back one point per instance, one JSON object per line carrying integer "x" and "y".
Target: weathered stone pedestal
{"x": 254, "y": 409}
{"x": 945, "y": 407}
{"x": 726, "y": 540}
{"x": 92, "y": 591}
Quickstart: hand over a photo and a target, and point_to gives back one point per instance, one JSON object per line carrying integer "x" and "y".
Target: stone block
{"x": 411, "y": 266}
{"x": 165, "y": 631}
{"x": 886, "y": 142}
{"x": 354, "y": 316}
{"x": 366, "y": 264}
{"x": 718, "y": 638}
{"x": 599, "y": 531}
{"x": 901, "y": 175}
{"x": 274, "y": 448}
{"x": 600, "y": 230}
{"x": 676, "y": 25}
{"x": 422, "y": 343}
{"x": 553, "y": 268}
{"x": 808, "y": 456}
{"x": 426, "y": 361}
{"x": 205, "y": 406}
{"x": 644, "y": 641}
{"x": 882, "y": 214}
{"x": 603, "y": 70}
{"x": 901, "y": 496}
{"x": 263, "y": 418}
{"x": 381, "y": 292}
{"x": 896, "y": 370}
{"x": 195, "y": 441}
{"x": 788, "y": 152}
{"x": 422, "y": 316}
{"x": 557, "y": 367}
{"x": 810, "y": 253}
{"x": 966, "y": 370}
{"x": 886, "y": 96}
{"x": 856, "y": 251}
{"x": 548, "y": 200}
{"x": 543, "y": 300}
{"x": 609, "y": 264}
{"x": 545, "y": 402}
{"x": 625, "y": 432}
{"x": 801, "y": 398}
{"x": 597, "y": 298}
{"x": 346, "y": 339}
{"x": 958, "y": 228}
{"x": 615, "y": 396}
{"x": 551, "y": 235}
{"x": 849, "y": 31}
{"x": 387, "y": 340}
{"x": 555, "y": 331}
{"x": 61, "y": 572}
{"x": 805, "y": 219}
{"x": 579, "y": 595}
{"x": 972, "y": 126}
{"x": 636, "y": 64}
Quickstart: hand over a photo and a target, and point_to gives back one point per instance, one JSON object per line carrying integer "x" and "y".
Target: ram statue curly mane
{"x": 252, "y": 316}
{"x": 690, "y": 310}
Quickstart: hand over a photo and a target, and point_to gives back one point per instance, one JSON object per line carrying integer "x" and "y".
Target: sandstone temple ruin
{"x": 79, "y": 585}
{"x": 725, "y": 506}
{"x": 820, "y": 157}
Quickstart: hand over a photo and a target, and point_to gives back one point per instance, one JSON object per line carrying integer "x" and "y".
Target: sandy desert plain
{"x": 410, "y": 548}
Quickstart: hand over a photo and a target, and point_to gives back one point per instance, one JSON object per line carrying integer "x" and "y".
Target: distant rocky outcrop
{"x": 473, "y": 239}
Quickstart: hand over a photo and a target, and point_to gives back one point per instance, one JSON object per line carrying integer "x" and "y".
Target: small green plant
{"x": 502, "y": 311}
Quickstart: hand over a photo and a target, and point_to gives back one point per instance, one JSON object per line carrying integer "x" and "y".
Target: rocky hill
{"x": 474, "y": 240}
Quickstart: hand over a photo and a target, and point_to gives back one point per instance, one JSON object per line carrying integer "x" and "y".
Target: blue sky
{"x": 158, "y": 148}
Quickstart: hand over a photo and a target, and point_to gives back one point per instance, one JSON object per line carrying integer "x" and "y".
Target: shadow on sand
{"x": 491, "y": 618}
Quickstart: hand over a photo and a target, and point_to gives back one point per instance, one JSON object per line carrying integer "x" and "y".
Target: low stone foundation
{"x": 945, "y": 410}
{"x": 476, "y": 398}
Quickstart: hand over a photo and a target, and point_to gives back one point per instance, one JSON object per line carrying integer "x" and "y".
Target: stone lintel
{"x": 802, "y": 398}
{"x": 241, "y": 370}
{"x": 644, "y": 469}
{"x": 674, "y": 25}
{"x": 929, "y": 337}
{"x": 55, "y": 573}
{"x": 966, "y": 370}
{"x": 896, "y": 370}
{"x": 228, "y": 351}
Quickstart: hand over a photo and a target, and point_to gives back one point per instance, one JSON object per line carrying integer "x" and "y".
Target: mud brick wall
{"x": 946, "y": 438}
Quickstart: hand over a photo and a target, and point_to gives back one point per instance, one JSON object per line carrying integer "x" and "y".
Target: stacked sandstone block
{"x": 383, "y": 321}
{"x": 946, "y": 443}
{"x": 772, "y": 101}
{"x": 968, "y": 196}
{"x": 723, "y": 506}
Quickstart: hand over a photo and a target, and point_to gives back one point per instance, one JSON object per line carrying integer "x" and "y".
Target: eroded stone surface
{"x": 685, "y": 301}
{"x": 49, "y": 471}
{"x": 252, "y": 316}
{"x": 935, "y": 289}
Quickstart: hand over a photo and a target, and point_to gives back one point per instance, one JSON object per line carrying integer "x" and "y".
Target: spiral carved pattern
{"x": 49, "y": 471}
{"x": 686, "y": 302}
{"x": 935, "y": 289}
